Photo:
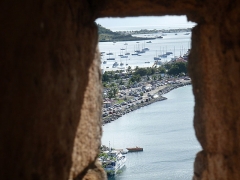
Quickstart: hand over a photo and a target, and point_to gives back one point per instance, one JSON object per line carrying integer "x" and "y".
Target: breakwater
{"x": 148, "y": 101}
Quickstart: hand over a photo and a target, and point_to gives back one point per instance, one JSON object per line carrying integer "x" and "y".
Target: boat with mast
{"x": 110, "y": 58}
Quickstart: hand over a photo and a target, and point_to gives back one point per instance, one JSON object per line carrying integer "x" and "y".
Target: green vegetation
{"x": 106, "y": 35}
{"x": 113, "y": 81}
{"x": 177, "y": 68}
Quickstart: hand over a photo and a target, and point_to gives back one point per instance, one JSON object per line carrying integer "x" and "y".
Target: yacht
{"x": 112, "y": 162}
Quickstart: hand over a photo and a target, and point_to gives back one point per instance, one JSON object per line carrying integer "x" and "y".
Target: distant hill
{"x": 106, "y": 35}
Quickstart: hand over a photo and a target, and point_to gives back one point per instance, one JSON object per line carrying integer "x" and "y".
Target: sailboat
{"x": 157, "y": 58}
{"x": 134, "y": 54}
{"x": 115, "y": 64}
{"x": 127, "y": 53}
{"x": 110, "y": 58}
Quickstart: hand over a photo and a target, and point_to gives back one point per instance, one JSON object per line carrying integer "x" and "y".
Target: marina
{"x": 164, "y": 129}
{"x": 137, "y": 128}
{"x": 138, "y": 53}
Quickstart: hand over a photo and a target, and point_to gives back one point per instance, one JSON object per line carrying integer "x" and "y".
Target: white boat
{"x": 112, "y": 162}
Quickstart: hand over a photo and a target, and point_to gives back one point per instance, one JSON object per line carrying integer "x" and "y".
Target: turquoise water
{"x": 165, "y": 131}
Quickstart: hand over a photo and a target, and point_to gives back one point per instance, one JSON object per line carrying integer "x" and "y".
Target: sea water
{"x": 178, "y": 44}
{"x": 165, "y": 132}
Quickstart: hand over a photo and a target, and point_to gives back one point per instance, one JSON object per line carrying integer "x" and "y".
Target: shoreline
{"x": 132, "y": 108}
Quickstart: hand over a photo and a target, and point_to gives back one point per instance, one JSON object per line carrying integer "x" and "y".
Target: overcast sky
{"x": 151, "y": 22}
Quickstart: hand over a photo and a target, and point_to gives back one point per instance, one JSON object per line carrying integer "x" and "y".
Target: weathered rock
{"x": 50, "y": 105}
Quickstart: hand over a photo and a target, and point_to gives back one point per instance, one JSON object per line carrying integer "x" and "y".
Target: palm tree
{"x": 129, "y": 69}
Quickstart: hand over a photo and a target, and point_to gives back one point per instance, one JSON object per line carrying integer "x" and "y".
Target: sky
{"x": 144, "y": 22}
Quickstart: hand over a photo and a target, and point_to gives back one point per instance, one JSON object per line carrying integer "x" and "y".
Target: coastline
{"x": 160, "y": 92}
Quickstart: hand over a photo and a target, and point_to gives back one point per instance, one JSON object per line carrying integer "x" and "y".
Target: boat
{"x": 115, "y": 64}
{"x": 110, "y": 58}
{"x": 149, "y": 42}
{"x": 157, "y": 58}
{"x": 134, "y": 149}
{"x": 113, "y": 162}
{"x": 186, "y": 33}
{"x": 168, "y": 53}
{"x": 147, "y": 62}
{"x": 162, "y": 56}
{"x": 159, "y": 37}
{"x": 104, "y": 62}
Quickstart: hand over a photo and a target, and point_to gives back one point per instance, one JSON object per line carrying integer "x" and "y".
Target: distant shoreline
{"x": 165, "y": 90}
{"x": 123, "y": 40}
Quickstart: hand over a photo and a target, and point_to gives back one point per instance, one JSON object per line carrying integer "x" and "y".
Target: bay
{"x": 177, "y": 44}
{"x": 165, "y": 131}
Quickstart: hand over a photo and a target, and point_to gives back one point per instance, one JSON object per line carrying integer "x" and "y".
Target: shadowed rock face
{"x": 50, "y": 105}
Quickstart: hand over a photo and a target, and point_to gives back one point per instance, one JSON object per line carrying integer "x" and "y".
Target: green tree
{"x": 150, "y": 71}
{"x": 141, "y": 71}
{"x": 129, "y": 69}
{"x": 167, "y": 66}
{"x": 116, "y": 76}
{"x": 121, "y": 82}
{"x": 154, "y": 77}
{"x": 135, "y": 78}
{"x": 112, "y": 92}
{"x": 129, "y": 83}
{"x": 105, "y": 77}
{"x": 161, "y": 70}
{"x": 178, "y": 68}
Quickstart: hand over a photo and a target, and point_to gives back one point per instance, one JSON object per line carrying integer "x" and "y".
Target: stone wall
{"x": 50, "y": 105}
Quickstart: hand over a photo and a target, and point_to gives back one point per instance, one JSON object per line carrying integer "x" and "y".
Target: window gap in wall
{"x": 142, "y": 60}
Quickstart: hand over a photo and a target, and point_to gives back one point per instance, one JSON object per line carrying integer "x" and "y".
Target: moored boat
{"x": 134, "y": 149}
{"x": 112, "y": 162}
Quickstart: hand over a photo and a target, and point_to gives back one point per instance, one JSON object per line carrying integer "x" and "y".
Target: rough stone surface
{"x": 50, "y": 101}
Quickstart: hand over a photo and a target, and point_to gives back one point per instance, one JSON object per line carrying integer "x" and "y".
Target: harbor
{"x": 122, "y": 119}
{"x": 142, "y": 53}
{"x": 164, "y": 130}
